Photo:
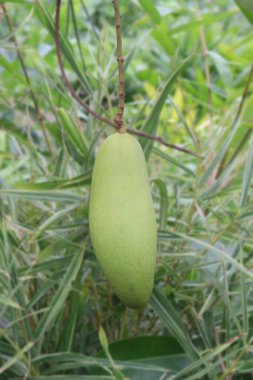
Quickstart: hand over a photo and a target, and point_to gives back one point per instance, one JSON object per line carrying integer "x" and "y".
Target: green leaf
{"x": 91, "y": 153}
{"x": 221, "y": 254}
{"x": 161, "y": 34}
{"x": 144, "y": 347}
{"x": 60, "y": 296}
{"x": 157, "y": 350}
{"x": 149, "y": 7}
{"x": 247, "y": 176}
{"x": 222, "y": 66}
{"x": 56, "y": 217}
{"x": 218, "y": 183}
{"x": 103, "y": 340}
{"x": 246, "y": 7}
{"x": 17, "y": 1}
{"x": 68, "y": 338}
{"x": 171, "y": 319}
{"x": 78, "y": 181}
{"x": 15, "y": 359}
{"x": 72, "y": 377}
{"x": 150, "y": 125}
{"x": 161, "y": 185}
{"x": 36, "y": 195}
{"x": 12, "y": 69}
{"x": 55, "y": 264}
{"x": 8, "y": 302}
{"x": 45, "y": 17}
{"x": 76, "y": 360}
{"x": 208, "y": 19}
{"x": 204, "y": 365}
{"x": 73, "y": 133}
{"x": 173, "y": 161}
{"x": 184, "y": 122}
{"x": 219, "y": 156}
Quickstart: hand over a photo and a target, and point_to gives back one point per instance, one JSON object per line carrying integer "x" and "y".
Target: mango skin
{"x": 122, "y": 219}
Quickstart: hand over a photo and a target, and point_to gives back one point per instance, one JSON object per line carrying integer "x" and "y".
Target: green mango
{"x": 122, "y": 219}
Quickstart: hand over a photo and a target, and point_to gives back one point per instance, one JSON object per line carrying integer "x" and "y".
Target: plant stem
{"x": 63, "y": 73}
{"x": 27, "y": 78}
{"x": 104, "y": 120}
{"x": 163, "y": 142}
{"x": 119, "y": 116}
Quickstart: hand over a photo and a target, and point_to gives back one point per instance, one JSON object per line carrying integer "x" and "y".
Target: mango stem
{"x": 119, "y": 116}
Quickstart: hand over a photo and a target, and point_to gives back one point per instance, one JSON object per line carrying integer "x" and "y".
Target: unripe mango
{"x": 122, "y": 219}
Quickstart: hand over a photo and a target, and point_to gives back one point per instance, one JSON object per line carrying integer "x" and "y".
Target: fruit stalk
{"x": 119, "y": 121}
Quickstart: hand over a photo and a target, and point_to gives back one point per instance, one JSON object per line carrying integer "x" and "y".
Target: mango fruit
{"x": 122, "y": 219}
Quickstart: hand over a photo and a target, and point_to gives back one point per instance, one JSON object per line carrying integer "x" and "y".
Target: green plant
{"x": 54, "y": 297}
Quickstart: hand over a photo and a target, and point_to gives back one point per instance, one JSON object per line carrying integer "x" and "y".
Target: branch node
{"x": 119, "y": 120}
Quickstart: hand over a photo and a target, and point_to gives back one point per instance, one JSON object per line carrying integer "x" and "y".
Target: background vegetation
{"x": 188, "y": 80}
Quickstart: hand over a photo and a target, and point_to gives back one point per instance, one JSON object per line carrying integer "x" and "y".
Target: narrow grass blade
{"x": 73, "y": 133}
{"x": 204, "y": 365}
{"x": 16, "y": 358}
{"x": 67, "y": 338}
{"x": 76, "y": 360}
{"x": 172, "y": 321}
{"x": 185, "y": 124}
{"x": 74, "y": 182}
{"x": 247, "y": 176}
{"x": 46, "y": 19}
{"x": 219, "y": 156}
{"x": 72, "y": 377}
{"x": 60, "y": 296}
{"x": 36, "y": 195}
{"x": 149, "y": 7}
{"x": 6, "y": 301}
{"x": 219, "y": 182}
{"x": 161, "y": 185}
{"x": 172, "y": 160}
{"x": 225, "y": 256}
{"x": 150, "y": 125}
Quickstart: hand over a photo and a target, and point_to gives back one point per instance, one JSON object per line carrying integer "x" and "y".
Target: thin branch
{"x": 27, "y": 78}
{"x": 217, "y": 342}
{"x": 105, "y": 120}
{"x": 119, "y": 116}
{"x": 163, "y": 142}
{"x": 63, "y": 73}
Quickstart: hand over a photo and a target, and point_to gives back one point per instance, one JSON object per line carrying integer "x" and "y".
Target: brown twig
{"x": 217, "y": 342}
{"x": 27, "y": 78}
{"x": 63, "y": 73}
{"x": 163, "y": 142}
{"x": 104, "y": 120}
{"x": 119, "y": 116}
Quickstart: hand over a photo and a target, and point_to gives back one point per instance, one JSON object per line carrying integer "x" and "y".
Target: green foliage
{"x": 246, "y": 7}
{"x": 59, "y": 318}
